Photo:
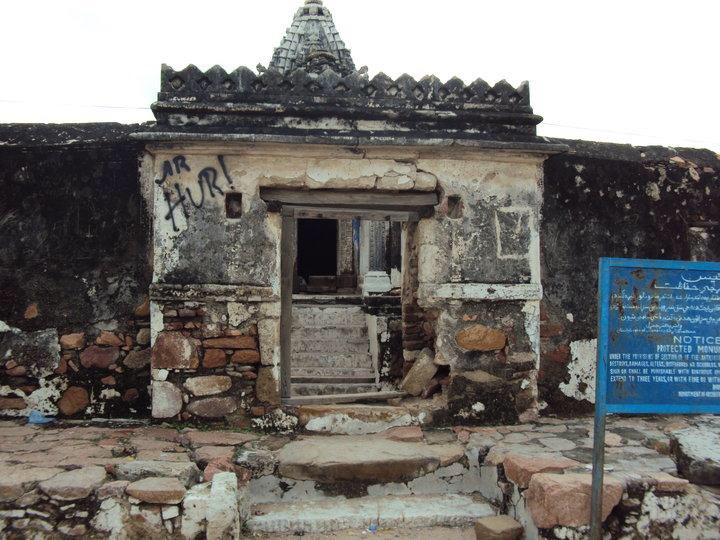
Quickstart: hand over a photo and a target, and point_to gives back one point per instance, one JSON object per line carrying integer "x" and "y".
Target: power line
{"x": 87, "y": 106}
{"x": 628, "y": 133}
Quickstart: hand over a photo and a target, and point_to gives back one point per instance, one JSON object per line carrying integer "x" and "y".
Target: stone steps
{"x": 300, "y": 379}
{"x": 338, "y": 346}
{"x": 335, "y": 372}
{"x": 337, "y": 514}
{"x": 355, "y": 333}
{"x": 330, "y": 351}
{"x": 360, "y": 397}
{"x": 325, "y": 388}
{"x": 340, "y": 360}
{"x": 326, "y": 316}
{"x": 363, "y": 459}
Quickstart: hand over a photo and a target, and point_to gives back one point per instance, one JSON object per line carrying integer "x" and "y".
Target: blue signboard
{"x": 659, "y": 337}
{"x": 658, "y": 347}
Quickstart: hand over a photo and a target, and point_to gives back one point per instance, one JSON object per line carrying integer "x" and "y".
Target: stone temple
{"x": 308, "y": 248}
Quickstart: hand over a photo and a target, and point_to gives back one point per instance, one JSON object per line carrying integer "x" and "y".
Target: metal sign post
{"x": 658, "y": 347}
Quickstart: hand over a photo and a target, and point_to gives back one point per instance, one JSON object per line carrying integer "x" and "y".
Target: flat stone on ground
{"x": 403, "y": 433}
{"x": 498, "y": 528}
{"x": 74, "y": 485}
{"x": 205, "y": 454}
{"x": 557, "y": 444}
{"x": 157, "y": 490}
{"x": 363, "y": 459}
{"x": 185, "y": 472}
{"x": 697, "y": 454}
{"x": 217, "y": 438}
{"x": 16, "y": 481}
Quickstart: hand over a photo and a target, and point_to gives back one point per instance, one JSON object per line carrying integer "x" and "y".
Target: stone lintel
{"x": 494, "y": 292}
{"x": 169, "y": 292}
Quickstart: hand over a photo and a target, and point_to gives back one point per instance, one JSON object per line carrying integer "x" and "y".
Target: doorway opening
{"x": 317, "y": 242}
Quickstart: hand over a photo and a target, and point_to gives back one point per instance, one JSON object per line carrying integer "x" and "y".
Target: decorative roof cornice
{"x": 244, "y": 85}
{"x": 330, "y": 102}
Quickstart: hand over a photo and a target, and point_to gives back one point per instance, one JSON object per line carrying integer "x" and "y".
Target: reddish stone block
{"x": 247, "y": 357}
{"x": 73, "y": 341}
{"x": 110, "y": 339}
{"x": 564, "y": 499}
{"x": 137, "y": 359}
{"x": 12, "y": 403}
{"x": 73, "y": 401}
{"x": 234, "y": 342}
{"x": 32, "y": 311}
{"x": 480, "y": 338}
{"x": 520, "y": 468}
{"x": 257, "y": 411}
{"x": 172, "y": 350}
{"x": 99, "y": 357}
{"x": 17, "y": 371}
{"x": 214, "y": 358}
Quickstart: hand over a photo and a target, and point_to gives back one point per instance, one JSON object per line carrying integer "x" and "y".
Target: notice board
{"x": 659, "y": 337}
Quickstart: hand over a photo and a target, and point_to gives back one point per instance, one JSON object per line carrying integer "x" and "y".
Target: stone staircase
{"x": 348, "y": 484}
{"x": 331, "y": 350}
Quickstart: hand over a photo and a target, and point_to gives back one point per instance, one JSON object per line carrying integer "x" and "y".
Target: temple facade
{"x": 336, "y": 238}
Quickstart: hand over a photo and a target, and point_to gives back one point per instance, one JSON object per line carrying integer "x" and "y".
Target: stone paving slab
{"x": 369, "y": 459}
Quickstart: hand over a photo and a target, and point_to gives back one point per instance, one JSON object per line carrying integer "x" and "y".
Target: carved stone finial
{"x": 312, "y": 42}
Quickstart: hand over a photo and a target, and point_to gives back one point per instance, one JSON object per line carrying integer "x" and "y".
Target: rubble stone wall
{"x": 74, "y": 272}
{"x": 614, "y": 201}
{"x": 479, "y": 270}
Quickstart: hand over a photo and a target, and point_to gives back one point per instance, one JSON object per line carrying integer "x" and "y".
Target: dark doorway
{"x": 316, "y": 247}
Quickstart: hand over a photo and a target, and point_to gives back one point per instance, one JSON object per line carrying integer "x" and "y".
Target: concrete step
{"x": 328, "y": 317}
{"x": 339, "y": 345}
{"x": 353, "y": 333}
{"x": 362, "y": 397}
{"x": 337, "y": 514}
{"x": 305, "y": 371}
{"x": 331, "y": 380}
{"x": 322, "y": 389}
{"x": 354, "y": 361}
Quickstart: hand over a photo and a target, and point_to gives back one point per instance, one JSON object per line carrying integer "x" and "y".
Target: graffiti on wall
{"x": 183, "y": 200}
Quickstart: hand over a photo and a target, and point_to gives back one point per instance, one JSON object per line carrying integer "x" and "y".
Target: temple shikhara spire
{"x": 312, "y": 42}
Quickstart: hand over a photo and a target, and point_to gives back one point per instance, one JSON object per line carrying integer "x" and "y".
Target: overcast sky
{"x": 637, "y": 71}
